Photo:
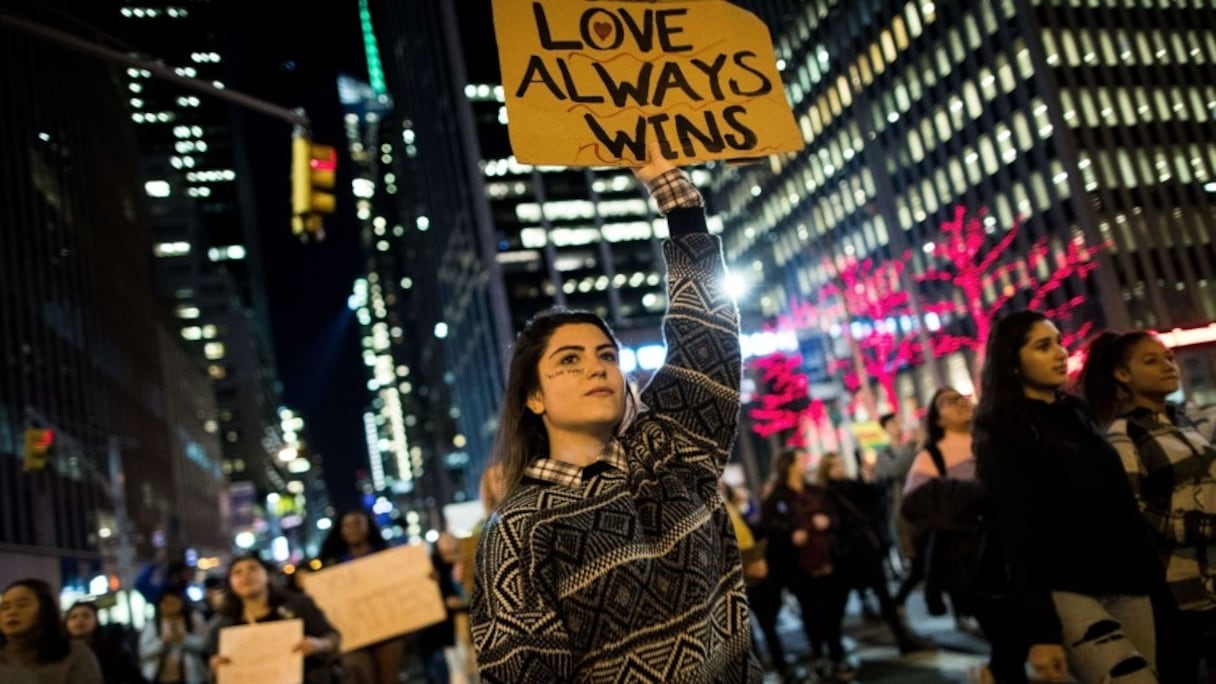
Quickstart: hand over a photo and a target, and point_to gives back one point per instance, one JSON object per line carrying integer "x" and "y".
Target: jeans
{"x": 1109, "y": 639}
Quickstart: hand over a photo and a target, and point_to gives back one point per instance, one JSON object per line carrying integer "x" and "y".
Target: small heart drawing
{"x": 602, "y": 29}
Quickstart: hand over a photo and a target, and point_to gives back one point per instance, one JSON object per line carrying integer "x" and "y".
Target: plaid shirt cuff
{"x": 673, "y": 189}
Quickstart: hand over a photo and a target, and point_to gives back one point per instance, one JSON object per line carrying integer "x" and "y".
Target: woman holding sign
{"x": 355, "y": 536}
{"x": 251, "y": 600}
{"x": 612, "y": 556}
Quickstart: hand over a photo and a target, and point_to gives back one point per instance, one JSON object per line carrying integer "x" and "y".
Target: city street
{"x": 878, "y": 661}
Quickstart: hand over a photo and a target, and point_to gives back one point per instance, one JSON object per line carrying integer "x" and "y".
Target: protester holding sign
{"x": 612, "y": 557}
{"x": 251, "y": 600}
{"x": 356, "y": 535}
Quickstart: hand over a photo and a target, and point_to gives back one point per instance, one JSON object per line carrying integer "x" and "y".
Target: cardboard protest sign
{"x": 592, "y": 83}
{"x": 375, "y": 597}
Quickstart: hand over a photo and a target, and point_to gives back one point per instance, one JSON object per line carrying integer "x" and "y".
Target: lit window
{"x": 157, "y": 188}
{"x": 187, "y": 311}
{"x": 171, "y": 249}
{"x": 213, "y": 350}
{"x": 192, "y": 333}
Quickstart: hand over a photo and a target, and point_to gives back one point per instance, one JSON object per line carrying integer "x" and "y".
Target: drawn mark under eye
{"x": 563, "y": 371}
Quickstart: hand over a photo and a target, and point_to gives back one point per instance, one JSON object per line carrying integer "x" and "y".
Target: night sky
{"x": 291, "y": 54}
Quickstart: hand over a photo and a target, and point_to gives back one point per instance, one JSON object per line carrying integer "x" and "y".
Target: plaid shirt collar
{"x": 570, "y": 475}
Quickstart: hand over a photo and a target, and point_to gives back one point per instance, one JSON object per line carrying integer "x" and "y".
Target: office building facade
{"x": 85, "y": 353}
{"x": 206, "y": 239}
{"x": 1080, "y": 131}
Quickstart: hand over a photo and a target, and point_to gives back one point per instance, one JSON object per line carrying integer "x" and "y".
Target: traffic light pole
{"x": 158, "y": 69}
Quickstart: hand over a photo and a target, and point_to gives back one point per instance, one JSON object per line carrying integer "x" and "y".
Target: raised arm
{"x": 695, "y": 394}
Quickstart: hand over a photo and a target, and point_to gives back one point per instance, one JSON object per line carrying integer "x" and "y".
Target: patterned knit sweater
{"x": 633, "y": 573}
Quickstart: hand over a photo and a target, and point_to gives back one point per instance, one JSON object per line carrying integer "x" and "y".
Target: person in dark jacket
{"x": 859, "y": 546}
{"x": 252, "y": 599}
{"x": 798, "y": 519}
{"x": 108, "y": 643}
{"x": 1081, "y": 562}
{"x": 356, "y": 535}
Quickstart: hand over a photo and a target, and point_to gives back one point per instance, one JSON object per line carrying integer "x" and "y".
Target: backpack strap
{"x": 938, "y": 460}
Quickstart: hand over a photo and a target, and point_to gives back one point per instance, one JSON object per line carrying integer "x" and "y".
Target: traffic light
{"x": 37, "y": 446}
{"x": 312, "y": 180}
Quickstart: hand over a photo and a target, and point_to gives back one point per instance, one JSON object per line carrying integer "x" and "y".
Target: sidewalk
{"x": 877, "y": 659}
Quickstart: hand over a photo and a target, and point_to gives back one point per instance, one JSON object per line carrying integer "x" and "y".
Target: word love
{"x": 597, "y": 82}
{"x": 603, "y": 29}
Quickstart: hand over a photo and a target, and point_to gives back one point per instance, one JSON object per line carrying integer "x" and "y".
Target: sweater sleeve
{"x": 518, "y": 634}
{"x": 1007, "y": 471}
{"x": 695, "y": 394}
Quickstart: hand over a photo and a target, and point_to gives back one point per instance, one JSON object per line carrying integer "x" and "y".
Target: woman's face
{"x": 248, "y": 578}
{"x": 80, "y": 622}
{"x": 1044, "y": 360}
{"x": 834, "y": 467}
{"x": 354, "y": 529}
{"x": 18, "y": 612}
{"x": 954, "y": 411}
{"x": 170, "y": 605}
{"x": 795, "y": 474}
{"x": 582, "y": 388}
{"x": 1151, "y": 370}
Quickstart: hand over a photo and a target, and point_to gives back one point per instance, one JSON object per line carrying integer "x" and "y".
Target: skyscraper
{"x": 82, "y": 337}
{"x": 207, "y": 248}
{"x": 1087, "y": 126}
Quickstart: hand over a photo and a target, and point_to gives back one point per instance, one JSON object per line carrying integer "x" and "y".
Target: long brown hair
{"x": 521, "y": 433}
{"x": 51, "y": 642}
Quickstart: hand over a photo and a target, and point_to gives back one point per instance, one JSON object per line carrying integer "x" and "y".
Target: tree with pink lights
{"x": 786, "y": 404}
{"x": 971, "y": 264}
{"x": 875, "y": 306}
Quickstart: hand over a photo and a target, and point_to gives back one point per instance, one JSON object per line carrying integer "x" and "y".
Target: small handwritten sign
{"x": 591, "y": 83}
{"x": 263, "y": 653}
{"x": 376, "y": 597}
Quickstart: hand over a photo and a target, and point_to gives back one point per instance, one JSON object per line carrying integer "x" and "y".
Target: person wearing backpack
{"x": 945, "y": 502}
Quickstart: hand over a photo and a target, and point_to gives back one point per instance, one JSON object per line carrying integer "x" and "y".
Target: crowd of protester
{"x": 1067, "y": 519}
{"x": 179, "y": 640}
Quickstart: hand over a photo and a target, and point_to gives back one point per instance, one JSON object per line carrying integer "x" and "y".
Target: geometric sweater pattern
{"x": 633, "y": 576}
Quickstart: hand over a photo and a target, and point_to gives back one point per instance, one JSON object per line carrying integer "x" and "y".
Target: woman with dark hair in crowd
{"x": 172, "y": 644}
{"x": 797, "y": 520}
{"x": 859, "y": 547}
{"x": 611, "y": 554}
{"x": 1080, "y": 560}
{"x": 1172, "y": 468}
{"x": 252, "y": 599}
{"x": 118, "y": 665}
{"x": 945, "y": 502}
{"x": 357, "y": 535}
{"x": 33, "y": 644}
{"x": 942, "y": 498}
